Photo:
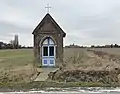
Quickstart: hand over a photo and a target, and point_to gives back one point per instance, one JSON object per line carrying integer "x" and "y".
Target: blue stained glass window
{"x": 51, "y": 61}
{"x": 45, "y": 61}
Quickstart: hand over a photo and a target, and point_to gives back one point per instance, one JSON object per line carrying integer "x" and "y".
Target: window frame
{"x": 48, "y": 45}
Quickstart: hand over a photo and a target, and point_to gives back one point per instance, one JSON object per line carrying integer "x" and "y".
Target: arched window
{"x": 48, "y": 41}
{"x": 48, "y": 47}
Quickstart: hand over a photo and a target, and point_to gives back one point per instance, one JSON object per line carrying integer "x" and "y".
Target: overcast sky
{"x": 85, "y": 21}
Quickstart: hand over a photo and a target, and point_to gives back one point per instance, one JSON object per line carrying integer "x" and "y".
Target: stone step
{"x": 44, "y": 73}
{"x": 42, "y": 77}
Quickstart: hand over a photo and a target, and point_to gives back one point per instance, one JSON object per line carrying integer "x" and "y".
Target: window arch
{"x": 48, "y": 41}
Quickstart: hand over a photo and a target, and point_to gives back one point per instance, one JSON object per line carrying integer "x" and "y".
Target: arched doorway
{"x": 48, "y": 52}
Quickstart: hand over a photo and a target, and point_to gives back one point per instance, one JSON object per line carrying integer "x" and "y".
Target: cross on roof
{"x": 48, "y": 8}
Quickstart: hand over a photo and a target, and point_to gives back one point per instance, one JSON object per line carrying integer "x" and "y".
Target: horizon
{"x": 73, "y": 44}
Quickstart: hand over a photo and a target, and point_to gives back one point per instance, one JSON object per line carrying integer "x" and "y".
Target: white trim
{"x": 54, "y": 52}
{"x": 45, "y": 38}
{"x": 48, "y": 58}
{"x": 48, "y": 51}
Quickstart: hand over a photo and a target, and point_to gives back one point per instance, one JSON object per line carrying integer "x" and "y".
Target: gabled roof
{"x": 53, "y": 21}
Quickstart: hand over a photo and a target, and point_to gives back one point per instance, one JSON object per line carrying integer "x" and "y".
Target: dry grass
{"x": 115, "y": 51}
{"x": 82, "y": 59}
{"x": 18, "y": 75}
{"x": 16, "y": 65}
{"x": 88, "y": 66}
{"x": 75, "y": 57}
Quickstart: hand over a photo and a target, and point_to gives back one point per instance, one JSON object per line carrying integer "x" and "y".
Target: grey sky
{"x": 85, "y": 21}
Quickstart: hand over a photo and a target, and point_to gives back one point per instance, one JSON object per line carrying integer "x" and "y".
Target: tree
{"x": 92, "y": 46}
{"x": 116, "y": 46}
{"x": 1, "y": 45}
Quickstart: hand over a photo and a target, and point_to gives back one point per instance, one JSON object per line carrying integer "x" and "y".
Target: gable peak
{"x": 48, "y": 16}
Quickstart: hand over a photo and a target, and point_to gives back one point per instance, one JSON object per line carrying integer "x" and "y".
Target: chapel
{"x": 48, "y": 43}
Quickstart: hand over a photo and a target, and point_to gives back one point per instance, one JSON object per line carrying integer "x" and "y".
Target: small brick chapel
{"x": 48, "y": 43}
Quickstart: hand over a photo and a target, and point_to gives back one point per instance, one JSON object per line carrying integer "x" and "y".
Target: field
{"x": 115, "y": 51}
{"x": 15, "y": 59}
{"x": 16, "y": 65}
{"x": 75, "y": 57}
{"x": 85, "y": 65}
{"x": 81, "y": 58}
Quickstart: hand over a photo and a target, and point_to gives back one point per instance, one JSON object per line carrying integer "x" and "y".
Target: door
{"x": 48, "y": 52}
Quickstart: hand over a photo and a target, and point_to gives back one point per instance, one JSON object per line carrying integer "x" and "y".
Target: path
{"x": 44, "y": 73}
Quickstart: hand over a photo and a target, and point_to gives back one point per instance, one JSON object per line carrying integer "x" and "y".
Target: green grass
{"x": 17, "y": 57}
{"x": 14, "y": 53}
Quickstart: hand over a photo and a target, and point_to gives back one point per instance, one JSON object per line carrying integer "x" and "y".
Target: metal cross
{"x": 48, "y": 8}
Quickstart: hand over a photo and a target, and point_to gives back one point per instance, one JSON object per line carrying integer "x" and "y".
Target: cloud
{"x": 7, "y": 32}
{"x": 85, "y": 21}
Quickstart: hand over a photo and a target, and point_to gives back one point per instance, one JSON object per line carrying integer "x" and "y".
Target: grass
{"x": 12, "y": 58}
{"x": 16, "y": 66}
{"x": 42, "y": 85}
{"x": 114, "y": 51}
{"x": 75, "y": 57}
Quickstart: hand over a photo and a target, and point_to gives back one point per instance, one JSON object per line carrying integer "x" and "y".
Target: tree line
{"x": 94, "y": 46}
{"x": 13, "y": 46}
{"x": 106, "y": 46}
